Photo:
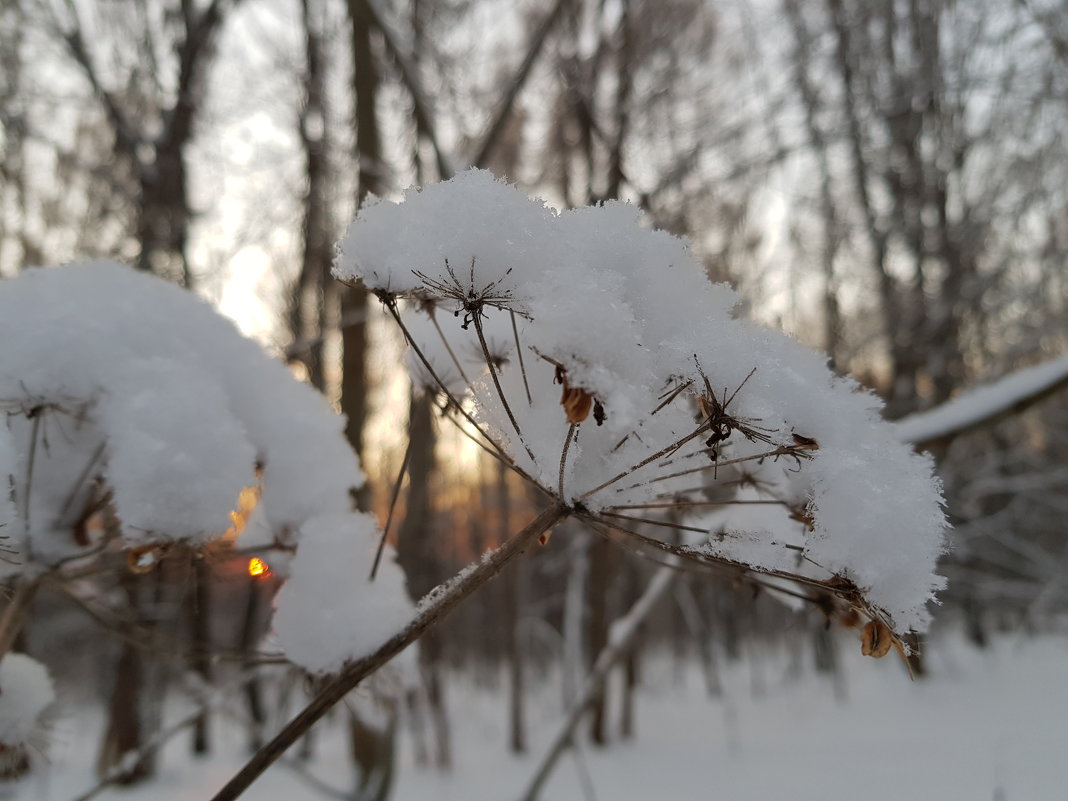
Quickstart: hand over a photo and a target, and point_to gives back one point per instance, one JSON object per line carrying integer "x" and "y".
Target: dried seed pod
{"x": 805, "y": 443}
{"x": 876, "y": 639}
{"x": 598, "y": 412}
{"x": 577, "y": 403}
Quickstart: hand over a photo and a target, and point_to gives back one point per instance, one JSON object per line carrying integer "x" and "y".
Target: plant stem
{"x": 429, "y": 614}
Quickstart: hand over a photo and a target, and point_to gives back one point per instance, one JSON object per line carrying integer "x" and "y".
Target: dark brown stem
{"x": 563, "y": 456}
{"x": 429, "y": 614}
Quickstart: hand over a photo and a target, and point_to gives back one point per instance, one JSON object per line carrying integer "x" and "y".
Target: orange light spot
{"x": 257, "y": 567}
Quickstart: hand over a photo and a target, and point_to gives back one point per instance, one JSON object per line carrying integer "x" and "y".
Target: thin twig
{"x": 392, "y": 508}
{"x": 711, "y": 560}
{"x": 29, "y": 468}
{"x": 519, "y": 355}
{"x": 654, "y": 522}
{"x": 698, "y": 504}
{"x": 670, "y": 395}
{"x": 784, "y": 450}
{"x": 669, "y": 449}
{"x": 563, "y": 456}
{"x": 689, "y": 566}
{"x": 497, "y": 384}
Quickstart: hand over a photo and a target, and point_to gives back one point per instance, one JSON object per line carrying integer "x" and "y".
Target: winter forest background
{"x": 886, "y": 181}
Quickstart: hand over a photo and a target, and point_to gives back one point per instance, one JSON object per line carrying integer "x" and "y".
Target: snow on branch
{"x": 1008, "y": 395}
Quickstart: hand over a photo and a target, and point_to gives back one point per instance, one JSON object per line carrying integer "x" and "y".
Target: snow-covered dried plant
{"x": 593, "y": 356}
{"x": 133, "y": 416}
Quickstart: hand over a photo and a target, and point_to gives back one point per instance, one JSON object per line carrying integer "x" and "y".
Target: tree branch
{"x": 504, "y": 109}
{"x": 1007, "y": 396}
{"x": 423, "y": 108}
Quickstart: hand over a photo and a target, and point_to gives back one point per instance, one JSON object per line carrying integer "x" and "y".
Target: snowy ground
{"x": 987, "y": 725}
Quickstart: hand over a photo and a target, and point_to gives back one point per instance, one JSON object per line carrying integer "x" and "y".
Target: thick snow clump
{"x": 130, "y": 402}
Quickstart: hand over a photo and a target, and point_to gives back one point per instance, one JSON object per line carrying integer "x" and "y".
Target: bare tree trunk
{"x": 624, "y": 84}
{"x": 370, "y": 181}
{"x": 253, "y": 688}
{"x": 601, "y": 554}
{"x": 903, "y": 379}
{"x": 374, "y": 753}
{"x": 818, "y": 142}
{"x": 200, "y": 613}
{"x": 308, "y": 302}
{"x": 574, "y": 611}
{"x": 513, "y": 598}
{"x": 418, "y": 556}
{"x": 126, "y": 730}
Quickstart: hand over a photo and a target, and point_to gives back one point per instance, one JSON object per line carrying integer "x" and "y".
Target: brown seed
{"x": 577, "y": 403}
{"x": 805, "y": 443}
{"x": 876, "y": 639}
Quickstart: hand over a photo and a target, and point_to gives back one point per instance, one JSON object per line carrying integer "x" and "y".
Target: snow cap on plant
{"x": 134, "y": 412}
{"x": 628, "y": 384}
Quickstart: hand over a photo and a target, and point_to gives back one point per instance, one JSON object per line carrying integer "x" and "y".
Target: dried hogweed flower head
{"x": 773, "y": 465}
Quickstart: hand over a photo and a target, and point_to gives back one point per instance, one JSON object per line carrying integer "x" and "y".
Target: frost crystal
{"x": 597, "y": 358}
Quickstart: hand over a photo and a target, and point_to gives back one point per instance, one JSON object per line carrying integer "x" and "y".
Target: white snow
{"x": 329, "y": 611}
{"x": 984, "y": 725}
{"x": 25, "y": 695}
{"x": 627, "y": 315}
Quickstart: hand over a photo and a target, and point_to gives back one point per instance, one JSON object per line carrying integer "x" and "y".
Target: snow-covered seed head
{"x": 765, "y": 460}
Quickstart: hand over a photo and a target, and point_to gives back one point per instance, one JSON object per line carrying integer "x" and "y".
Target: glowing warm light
{"x": 257, "y": 567}
{"x": 246, "y": 503}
